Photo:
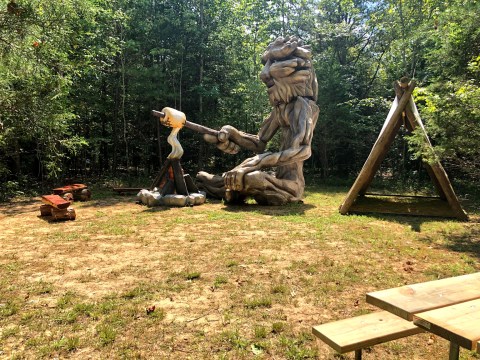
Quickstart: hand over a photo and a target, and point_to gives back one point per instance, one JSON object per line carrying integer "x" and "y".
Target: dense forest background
{"x": 78, "y": 79}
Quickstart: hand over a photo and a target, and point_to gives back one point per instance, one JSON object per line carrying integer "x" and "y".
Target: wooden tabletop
{"x": 458, "y": 323}
{"x": 405, "y": 301}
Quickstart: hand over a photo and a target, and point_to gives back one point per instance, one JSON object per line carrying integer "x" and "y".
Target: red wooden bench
{"x": 57, "y": 207}
{"x": 79, "y": 191}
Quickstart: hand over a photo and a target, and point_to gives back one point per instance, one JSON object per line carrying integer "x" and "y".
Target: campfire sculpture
{"x": 292, "y": 89}
{"x": 172, "y": 187}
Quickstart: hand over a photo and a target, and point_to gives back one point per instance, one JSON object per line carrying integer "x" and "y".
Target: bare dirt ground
{"x": 226, "y": 282}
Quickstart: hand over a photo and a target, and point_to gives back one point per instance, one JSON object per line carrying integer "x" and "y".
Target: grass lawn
{"x": 227, "y": 282}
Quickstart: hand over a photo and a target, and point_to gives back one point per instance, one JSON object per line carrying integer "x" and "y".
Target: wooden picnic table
{"x": 459, "y": 323}
{"x": 449, "y": 308}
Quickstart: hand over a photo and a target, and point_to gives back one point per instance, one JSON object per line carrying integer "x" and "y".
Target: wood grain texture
{"x": 363, "y": 331}
{"x": 55, "y": 201}
{"x": 69, "y": 188}
{"x": 405, "y": 301}
{"x": 458, "y": 323}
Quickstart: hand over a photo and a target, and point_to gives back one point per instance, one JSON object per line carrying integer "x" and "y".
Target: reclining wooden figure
{"x": 292, "y": 89}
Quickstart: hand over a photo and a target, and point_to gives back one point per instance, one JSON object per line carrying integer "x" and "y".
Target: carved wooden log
{"x": 63, "y": 214}
{"x": 46, "y": 210}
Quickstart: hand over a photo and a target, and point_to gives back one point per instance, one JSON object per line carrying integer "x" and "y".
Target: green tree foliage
{"x": 78, "y": 80}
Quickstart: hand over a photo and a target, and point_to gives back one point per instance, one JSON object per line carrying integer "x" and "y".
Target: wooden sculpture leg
{"x": 265, "y": 188}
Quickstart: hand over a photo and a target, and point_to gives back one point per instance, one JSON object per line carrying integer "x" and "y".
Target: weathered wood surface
{"x": 292, "y": 89}
{"x": 458, "y": 323}
{"x": 364, "y": 331}
{"x": 379, "y": 150}
{"x": 46, "y": 210}
{"x": 63, "y": 214}
{"x": 403, "y": 103}
{"x": 157, "y": 182}
{"x": 406, "y": 301}
{"x": 55, "y": 201}
{"x": 69, "y": 188}
{"x": 180, "y": 185}
{"x": 191, "y": 187}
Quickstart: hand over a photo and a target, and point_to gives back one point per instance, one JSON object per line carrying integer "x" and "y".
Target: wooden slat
{"x": 478, "y": 347}
{"x": 69, "y": 188}
{"x": 458, "y": 323}
{"x": 363, "y": 331}
{"x": 405, "y": 301}
{"x": 55, "y": 201}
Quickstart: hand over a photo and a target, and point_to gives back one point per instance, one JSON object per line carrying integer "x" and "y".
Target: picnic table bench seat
{"x": 357, "y": 333}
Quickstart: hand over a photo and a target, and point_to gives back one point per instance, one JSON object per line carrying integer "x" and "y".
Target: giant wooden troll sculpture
{"x": 292, "y": 89}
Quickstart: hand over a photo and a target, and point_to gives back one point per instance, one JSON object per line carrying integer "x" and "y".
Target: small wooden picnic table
{"x": 449, "y": 308}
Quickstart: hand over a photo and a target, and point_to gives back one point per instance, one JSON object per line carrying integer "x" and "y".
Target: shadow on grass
{"x": 19, "y": 207}
{"x": 415, "y": 222}
{"x": 108, "y": 201}
{"x": 468, "y": 242}
{"x": 285, "y": 210}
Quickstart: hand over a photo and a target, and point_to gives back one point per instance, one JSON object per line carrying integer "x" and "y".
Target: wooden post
{"x": 358, "y": 354}
{"x": 389, "y": 130}
{"x": 454, "y": 351}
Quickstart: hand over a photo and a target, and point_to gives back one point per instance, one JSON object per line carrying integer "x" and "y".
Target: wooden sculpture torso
{"x": 292, "y": 89}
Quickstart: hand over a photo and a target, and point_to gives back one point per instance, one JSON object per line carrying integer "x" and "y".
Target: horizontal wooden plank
{"x": 458, "y": 323}
{"x": 55, "y": 201}
{"x": 69, "y": 188}
{"x": 363, "y": 331}
{"x": 405, "y": 301}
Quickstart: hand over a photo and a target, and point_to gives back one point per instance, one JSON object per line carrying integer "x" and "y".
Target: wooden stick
{"x": 191, "y": 125}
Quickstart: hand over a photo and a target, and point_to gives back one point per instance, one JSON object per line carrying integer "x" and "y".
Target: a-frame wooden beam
{"x": 403, "y": 103}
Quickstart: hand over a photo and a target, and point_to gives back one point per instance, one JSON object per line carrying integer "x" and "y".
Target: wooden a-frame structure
{"x": 403, "y": 112}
